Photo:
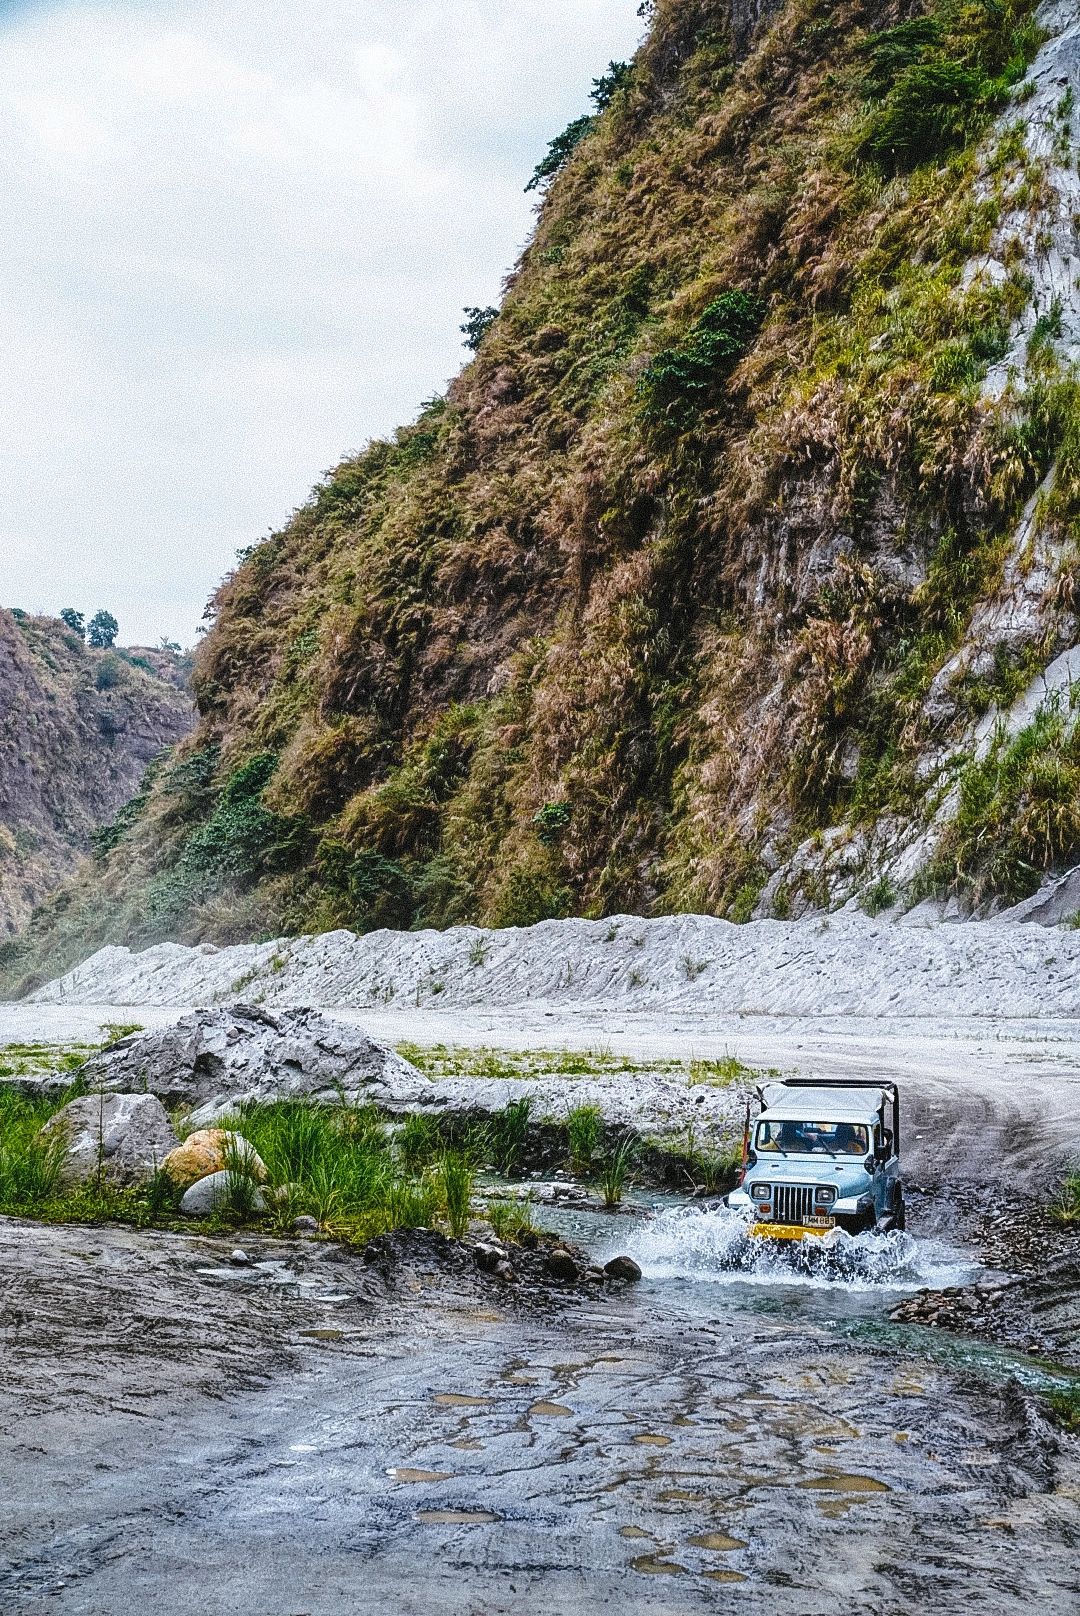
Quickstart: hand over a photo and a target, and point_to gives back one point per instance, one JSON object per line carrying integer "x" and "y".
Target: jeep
{"x": 822, "y": 1155}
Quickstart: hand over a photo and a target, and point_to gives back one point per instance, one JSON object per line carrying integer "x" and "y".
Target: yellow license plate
{"x": 788, "y": 1231}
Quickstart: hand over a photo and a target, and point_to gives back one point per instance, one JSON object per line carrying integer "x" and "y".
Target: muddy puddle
{"x": 734, "y": 1429}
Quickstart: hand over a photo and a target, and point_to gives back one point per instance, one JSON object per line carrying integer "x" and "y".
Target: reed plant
{"x": 1066, "y": 1206}
{"x": 420, "y": 1140}
{"x": 457, "y": 1187}
{"x": 30, "y": 1166}
{"x": 509, "y": 1220}
{"x": 509, "y": 1134}
{"x": 616, "y": 1171}
{"x": 584, "y": 1128}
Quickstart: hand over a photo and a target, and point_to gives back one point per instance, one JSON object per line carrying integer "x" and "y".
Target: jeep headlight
{"x": 760, "y": 1192}
{"x": 826, "y": 1194}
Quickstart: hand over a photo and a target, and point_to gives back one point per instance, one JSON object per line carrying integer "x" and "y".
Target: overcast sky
{"x": 235, "y": 242}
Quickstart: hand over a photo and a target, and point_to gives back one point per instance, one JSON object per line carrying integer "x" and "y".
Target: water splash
{"x": 713, "y": 1243}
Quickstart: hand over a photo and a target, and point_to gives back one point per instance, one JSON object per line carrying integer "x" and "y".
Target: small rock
{"x": 125, "y": 1137}
{"x": 208, "y": 1151}
{"x": 239, "y": 1259}
{"x": 594, "y": 1276}
{"x": 560, "y": 1265}
{"x": 488, "y": 1257}
{"x": 624, "y": 1269}
{"x": 212, "y": 1193}
{"x": 503, "y": 1270}
{"x": 306, "y": 1224}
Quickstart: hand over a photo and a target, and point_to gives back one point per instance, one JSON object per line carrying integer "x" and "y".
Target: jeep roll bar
{"x": 890, "y": 1089}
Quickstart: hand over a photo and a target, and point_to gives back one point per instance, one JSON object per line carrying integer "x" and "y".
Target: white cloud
{"x": 236, "y": 241}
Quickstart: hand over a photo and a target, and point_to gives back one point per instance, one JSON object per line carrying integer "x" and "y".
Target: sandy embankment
{"x": 981, "y": 1022}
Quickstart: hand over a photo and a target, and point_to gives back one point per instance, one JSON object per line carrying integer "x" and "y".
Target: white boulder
{"x": 125, "y": 1137}
{"x": 219, "y": 1190}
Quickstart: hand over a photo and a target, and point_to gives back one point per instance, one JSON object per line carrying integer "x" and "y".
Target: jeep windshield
{"x": 813, "y": 1138}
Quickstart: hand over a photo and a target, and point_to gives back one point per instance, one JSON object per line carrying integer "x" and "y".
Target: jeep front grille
{"x": 792, "y": 1203}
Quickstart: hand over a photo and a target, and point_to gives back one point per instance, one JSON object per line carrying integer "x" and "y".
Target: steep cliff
{"x": 739, "y": 571}
{"x": 78, "y": 729}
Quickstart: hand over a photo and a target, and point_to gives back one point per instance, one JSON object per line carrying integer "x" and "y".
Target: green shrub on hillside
{"x": 529, "y": 898}
{"x": 107, "y": 676}
{"x": 680, "y": 381}
{"x": 242, "y": 836}
{"x": 552, "y": 821}
{"x": 377, "y": 890}
{"x": 560, "y": 151}
{"x": 936, "y": 79}
{"x": 563, "y": 147}
{"x": 928, "y": 110}
{"x": 478, "y": 322}
{"x": 1019, "y": 810}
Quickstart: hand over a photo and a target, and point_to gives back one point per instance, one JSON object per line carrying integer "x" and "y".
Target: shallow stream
{"x": 736, "y": 1428}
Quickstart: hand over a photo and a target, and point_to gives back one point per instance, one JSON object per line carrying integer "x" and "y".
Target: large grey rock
{"x": 125, "y": 1136}
{"x": 1057, "y": 900}
{"x": 214, "y": 1059}
{"x": 214, "y": 1192}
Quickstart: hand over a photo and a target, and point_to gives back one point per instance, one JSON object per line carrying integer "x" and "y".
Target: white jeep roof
{"x": 824, "y": 1105}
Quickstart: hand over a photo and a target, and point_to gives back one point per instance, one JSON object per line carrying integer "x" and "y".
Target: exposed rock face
{"x": 126, "y": 1136}
{"x": 213, "y": 1059}
{"x": 78, "y": 729}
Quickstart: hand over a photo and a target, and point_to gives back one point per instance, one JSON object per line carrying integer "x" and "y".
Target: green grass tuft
{"x": 584, "y": 1127}
{"x": 510, "y": 1219}
{"x": 616, "y": 1170}
{"x": 457, "y": 1187}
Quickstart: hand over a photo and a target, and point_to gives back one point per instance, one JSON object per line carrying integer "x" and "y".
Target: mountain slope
{"x": 726, "y": 575}
{"x": 78, "y": 729}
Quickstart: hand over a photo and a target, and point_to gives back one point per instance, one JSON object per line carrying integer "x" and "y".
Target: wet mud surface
{"x": 317, "y": 1434}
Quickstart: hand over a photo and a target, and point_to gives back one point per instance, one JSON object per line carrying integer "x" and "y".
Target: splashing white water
{"x": 714, "y": 1244}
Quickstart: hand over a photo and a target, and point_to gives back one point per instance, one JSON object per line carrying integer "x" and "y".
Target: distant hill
{"x": 78, "y": 729}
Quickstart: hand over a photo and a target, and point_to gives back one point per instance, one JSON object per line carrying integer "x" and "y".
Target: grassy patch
{"x": 1019, "y": 811}
{"x": 510, "y": 1219}
{"x": 1066, "y": 1206}
{"x": 43, "y": 1060}
{"x": 722, "y": 1073}
{"x": 358, "y": 1176}
{"x": 438, "y": 1061}
{"x": 1064, "y": 1407}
